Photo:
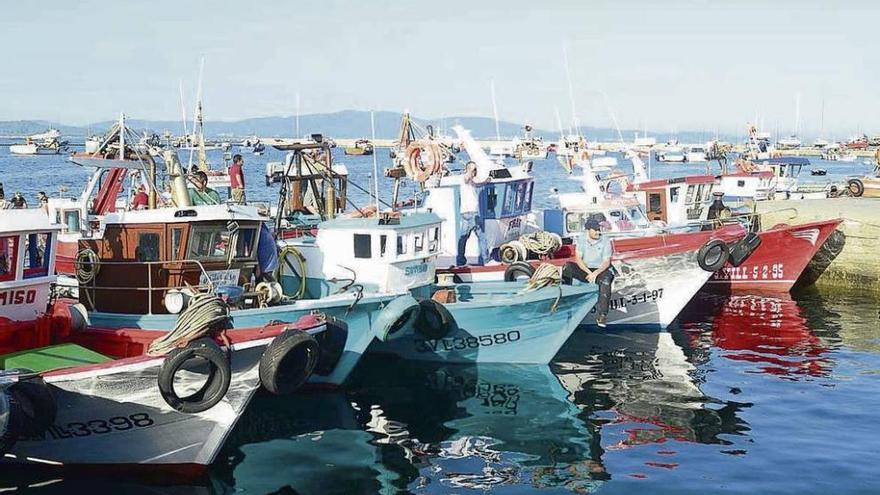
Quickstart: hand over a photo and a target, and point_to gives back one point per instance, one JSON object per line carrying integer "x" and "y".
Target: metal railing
{"x": 149, "y": 289}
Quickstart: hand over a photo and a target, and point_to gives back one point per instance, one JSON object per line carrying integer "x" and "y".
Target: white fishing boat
{"x": 33, "y": 146}
{"x": 695, "y": 153}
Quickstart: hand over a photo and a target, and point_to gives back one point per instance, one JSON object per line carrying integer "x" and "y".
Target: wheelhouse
{"x": 676, "y": 201}
{"x": 27, "y": 264}
{"x": 144, "y": 254}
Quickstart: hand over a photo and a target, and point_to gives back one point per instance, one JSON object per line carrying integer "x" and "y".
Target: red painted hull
{"x": 779, "y": 261}
{"x": 65, "y": 257}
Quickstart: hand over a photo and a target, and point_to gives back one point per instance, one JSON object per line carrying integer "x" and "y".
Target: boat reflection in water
{"x": 771, "y": 332}
{"x": 639, "y": 388}
{"x": 426, "y": 428}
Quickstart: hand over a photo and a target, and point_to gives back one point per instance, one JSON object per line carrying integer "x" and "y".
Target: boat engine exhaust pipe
{"x": 179, "y": 194}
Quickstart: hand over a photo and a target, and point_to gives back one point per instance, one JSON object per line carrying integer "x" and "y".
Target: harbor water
{"x": 743, "y": 394}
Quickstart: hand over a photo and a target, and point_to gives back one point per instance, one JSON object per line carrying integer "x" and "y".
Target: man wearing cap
{"x": 593, "y": 265}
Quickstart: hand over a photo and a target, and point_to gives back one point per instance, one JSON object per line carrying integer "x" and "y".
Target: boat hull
{"x": 31, "y": 149}
{"x": 779, "y": 260}
{"x": 656, "y": 276}
{"x": 359, "y": 316}
{"x": 114, "y": 414}
{"x": 495, "y": 323}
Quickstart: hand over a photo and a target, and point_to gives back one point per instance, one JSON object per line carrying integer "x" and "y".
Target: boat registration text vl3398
{"x": 775, "y": 271}
{"x": 20, "y": 296}
{"x": 451, "y": 344}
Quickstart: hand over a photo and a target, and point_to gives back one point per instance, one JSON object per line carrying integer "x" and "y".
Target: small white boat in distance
{"x": 47, "y": 147}
{"x": 695, "y": 153}
{"x": 788, "y": 143}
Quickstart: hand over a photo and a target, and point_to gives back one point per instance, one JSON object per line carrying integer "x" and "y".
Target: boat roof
{"x": 408, "y": 221}
{"x": 15, "y": 221}
{"x": 756, "y": 173}
{"x": 189, "y": 214}
{"x": 658, "y": 183}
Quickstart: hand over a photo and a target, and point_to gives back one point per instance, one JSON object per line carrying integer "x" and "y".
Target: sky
{"x": 663, "y": 65}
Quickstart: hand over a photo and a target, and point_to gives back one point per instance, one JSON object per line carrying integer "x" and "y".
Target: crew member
{"x": 18, "y": 201}
{"x": 236, "y": 179}
{"x": 470, "y": 216}
{"x": 43, "y": 201}
{"x": 593, "y": 265}
{"x": 202, "y": 194}
{"x": 140, "y": 201}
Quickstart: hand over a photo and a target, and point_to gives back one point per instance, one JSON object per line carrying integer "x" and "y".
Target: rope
{"x": 205, "y": 313}
{"x": 541, "y": 243}
{"x": 302, "y": 269}
{"x": 546, "y": 275}
{"x": 87, "y": 265}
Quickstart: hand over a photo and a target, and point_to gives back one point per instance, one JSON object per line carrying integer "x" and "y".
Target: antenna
{"x": 495, "y": 111}
{"x": 375, "y": 164}
{"x": 183, "y": 109}
{"x": 574, "y": 118}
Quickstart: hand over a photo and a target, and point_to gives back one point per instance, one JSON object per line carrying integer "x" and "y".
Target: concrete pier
{"x": 850, "y": 259}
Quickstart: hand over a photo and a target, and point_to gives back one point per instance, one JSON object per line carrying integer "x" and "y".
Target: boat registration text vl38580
{"x": 452, "y": 344}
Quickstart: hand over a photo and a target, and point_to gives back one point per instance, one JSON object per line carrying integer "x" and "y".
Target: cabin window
{"x": 689, "y": 198}
{"x": 37, "y": 253}
{"x": 401, "y": 245}
{"x": 8, "y": 257}
{"x": 147, "y": 247}
{"x": 673, "y": 194}
{"x": 528, "y": 205}
{"x": 700, "y": 196}
{"x": 363, "y": 247}
{"x": 383, "y": 243}
{"x": 433, "y": 239}
{"x": 176, "y": 238}
{"x": 244, "y": 245}
{"x": 740, "y": 183}
{"x": 71, "y": 220}
{"x": 419, "y": 243}
{"x": 654, "y": 203}
{"x": 208, "y": 243}
{"x": 574, "y": 222}
{"x": 491, "y": 201}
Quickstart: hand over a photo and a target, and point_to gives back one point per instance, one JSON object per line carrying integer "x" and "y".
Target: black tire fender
{"x": 434, "y": 320}
{"x": 743, "y": 248}
{"x": 713, "y": 255}
{"x": 518, "y": 269}
{"x": 332, "y": 343}
{"x": 37, "y": 406}
{"x": 216, "y": 385}
{"x": 288, "y": 362}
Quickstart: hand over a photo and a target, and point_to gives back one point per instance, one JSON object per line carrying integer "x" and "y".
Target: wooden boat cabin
{"x": 676, "y": 201}
{"x": 144, "y": 254}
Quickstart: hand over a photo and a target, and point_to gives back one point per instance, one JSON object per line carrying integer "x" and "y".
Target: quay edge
{"x": 849, "y": 258}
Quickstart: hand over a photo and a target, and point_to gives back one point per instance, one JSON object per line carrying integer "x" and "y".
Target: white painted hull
{"x": 32, "y": 149}
{"x": 116, "y": 416}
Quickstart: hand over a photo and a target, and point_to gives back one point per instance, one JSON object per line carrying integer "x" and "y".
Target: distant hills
{"x": 344, "y": 124}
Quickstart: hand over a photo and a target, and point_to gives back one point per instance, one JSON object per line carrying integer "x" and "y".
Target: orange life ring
{"x": 421, "y": 161}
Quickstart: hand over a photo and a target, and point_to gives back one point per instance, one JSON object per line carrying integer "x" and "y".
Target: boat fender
{"x": 288, "y": 362}
{"x": 397, "y": 318}
{"x": 517, "y": 270}
{"x": 512, "y": 252}
{"x": 713, "y": 255}
{"x": 856, "y": 187}
{"x": 332, "y": 344}
{"x": 743, "y": 248}
{"x": 214, "y": 388}
{"x": 27, "y": 409}
{"x": 434, "y": 320}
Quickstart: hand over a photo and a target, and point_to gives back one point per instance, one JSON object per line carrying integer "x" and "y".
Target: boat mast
{"x": 375, "y": 163}
{"x": 574, "y": 118}
{"x": 495, "y": 111}
{"x": 183, "y": 110}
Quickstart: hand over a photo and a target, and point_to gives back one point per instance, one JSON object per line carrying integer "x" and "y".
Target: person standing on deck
{"x": 43, "y": 201}
{"x": 470, "y": 216}
{"x": 236, "y": 179}
{"x": 18, "y": 201}
{"x": 593, "y": 265}
{"x": 140, "y": 201}
{"x": 202, "y": 194}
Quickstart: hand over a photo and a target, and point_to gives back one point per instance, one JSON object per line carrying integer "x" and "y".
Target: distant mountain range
{"x": 344, "y": 124}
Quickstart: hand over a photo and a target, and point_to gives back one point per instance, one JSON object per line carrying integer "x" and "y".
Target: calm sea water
{"x": 744, "y": 394}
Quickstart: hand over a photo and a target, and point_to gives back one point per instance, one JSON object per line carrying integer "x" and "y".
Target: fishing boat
{"x": 35, "y": 145}
{"x": 530, "y": 147}
{"x": 361, "y": 147}
{"x": 695, "y": 154}
{"x": 672, "y": 154}
{"x": 62, "y": 404}
{"x": 867, "y": 186}
{"x": 658, "y": 269}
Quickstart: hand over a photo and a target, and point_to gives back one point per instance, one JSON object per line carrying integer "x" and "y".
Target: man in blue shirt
{"x": 593, "y": 265}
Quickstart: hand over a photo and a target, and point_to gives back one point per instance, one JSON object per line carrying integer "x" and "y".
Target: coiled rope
{"x": 546, "y": 275}
{"x": 87, "y": 266}
{"x": 205, "y": 313}
{"x": 542, "y": 243}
